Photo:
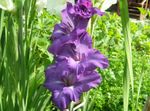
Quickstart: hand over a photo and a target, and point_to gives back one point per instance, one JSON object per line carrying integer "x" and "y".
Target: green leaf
{"x": 128, "y": 70}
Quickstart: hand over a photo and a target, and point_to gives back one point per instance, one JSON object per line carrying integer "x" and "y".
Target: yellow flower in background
{"x": 7, "y": 5}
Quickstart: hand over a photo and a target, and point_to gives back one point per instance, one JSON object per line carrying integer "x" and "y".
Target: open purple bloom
{"x": 66, "y": 86}
{"x": 75, "y": 17}
{"x": 88, "y": 62}
{"x": 85, "y": 9}
{"x": 77, "y": 50}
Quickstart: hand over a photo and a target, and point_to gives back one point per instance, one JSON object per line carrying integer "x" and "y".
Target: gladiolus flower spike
{"x": 75, "y": 60}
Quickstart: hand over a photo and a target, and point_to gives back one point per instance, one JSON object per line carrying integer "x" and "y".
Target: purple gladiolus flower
{"x": 75, "y": 17}
{"x": 75, "y": 60}
{"x": 66, "y": 86}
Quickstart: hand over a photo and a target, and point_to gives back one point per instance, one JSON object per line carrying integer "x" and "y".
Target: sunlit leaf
{"x": 128, "y": 70}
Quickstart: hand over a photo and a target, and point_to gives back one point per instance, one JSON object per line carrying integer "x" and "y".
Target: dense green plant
{"x": 23, "y": 57}
{"x": 109, "y": 36}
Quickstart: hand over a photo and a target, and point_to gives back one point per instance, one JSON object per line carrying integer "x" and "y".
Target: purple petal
{"x": 98, "y": 11}
{"x": 87, "y": 81}
{"x": 59, "y": 31}
{"x": 66, "y": 45}
{"x": 67, "y": 18}
{"x": 86, "y": 3}
{"x": 53, "y": 81}
{"x": 54, "y": 74}
{"x": 93, "y": 60}
{"x": 63, "y": 97}
{"x": 67, "y": 24}
{"x": 85, "y": 39}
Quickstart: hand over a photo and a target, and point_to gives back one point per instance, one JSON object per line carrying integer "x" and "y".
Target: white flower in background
{"x": 55, "y": 6}
{"x": 7, "y": 5}
{"x": 41, "y": 4}
{"x": 107, "y": 3}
